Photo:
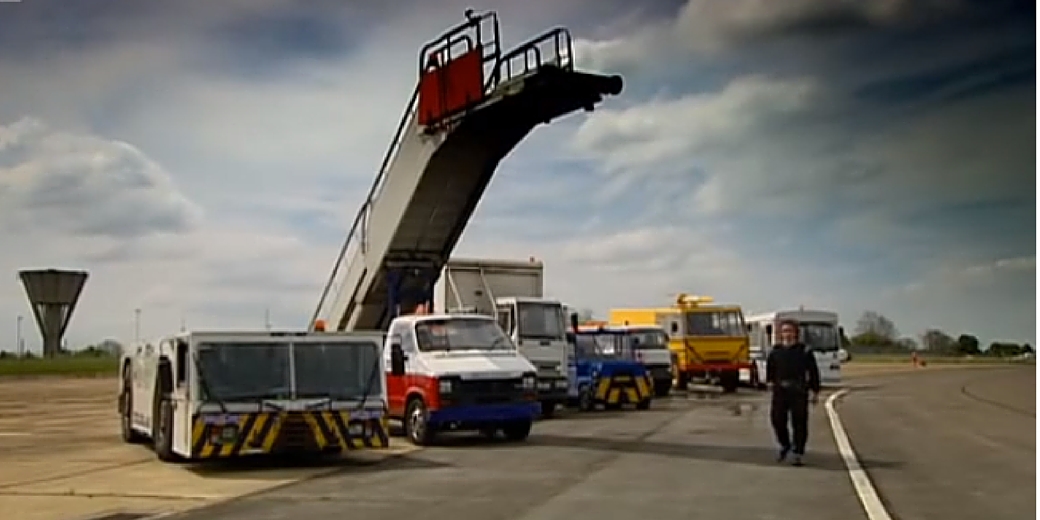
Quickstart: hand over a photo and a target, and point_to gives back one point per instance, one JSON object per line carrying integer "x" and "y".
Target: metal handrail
{"x": 366, "y": 206}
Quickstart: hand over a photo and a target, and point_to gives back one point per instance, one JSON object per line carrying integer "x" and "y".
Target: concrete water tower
{"x": 53, "y": 294}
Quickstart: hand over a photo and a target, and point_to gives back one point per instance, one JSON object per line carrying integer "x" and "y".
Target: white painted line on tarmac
{"x": 868, "y": 496}
{"x": 14, "y": 434}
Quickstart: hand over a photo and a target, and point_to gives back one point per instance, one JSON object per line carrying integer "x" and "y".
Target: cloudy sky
{"x": 204, "y": 164}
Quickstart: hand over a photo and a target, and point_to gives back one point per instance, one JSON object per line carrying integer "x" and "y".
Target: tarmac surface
{"x": 937, "y": 443}
{"x": 965, "y": 439}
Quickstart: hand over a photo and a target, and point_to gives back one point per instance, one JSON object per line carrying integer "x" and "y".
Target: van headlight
{"x": 529, "y": 382}
{"x": 445, "y": 386}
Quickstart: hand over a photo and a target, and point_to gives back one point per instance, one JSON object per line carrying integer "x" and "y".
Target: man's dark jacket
{"x": 792, "y": 368}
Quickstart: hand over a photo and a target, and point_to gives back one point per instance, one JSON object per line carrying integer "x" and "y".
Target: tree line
{"x": 875, "y": 333}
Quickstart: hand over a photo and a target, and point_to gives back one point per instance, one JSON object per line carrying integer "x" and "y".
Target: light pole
{"x": 18, "y": 336}
{"x": 267, "y": 318}
{"x": 137, "y": 325}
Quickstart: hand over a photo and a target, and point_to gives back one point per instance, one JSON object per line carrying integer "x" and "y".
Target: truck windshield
{"x": 244, "y": 370}
{"x": 647, "y": 339}
{"x": 338, "y": 370}
{"x": 461, "y": 334}
{"x": 541, "y": 321}
{"x": 715, "y": 323}
{"x": 820, "y": 337}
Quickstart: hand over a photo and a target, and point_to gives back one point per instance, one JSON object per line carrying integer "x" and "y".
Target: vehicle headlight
{"x": 562, "y": 383}
{"x": 444, "y": 386}
{"x": 529, "y": 382}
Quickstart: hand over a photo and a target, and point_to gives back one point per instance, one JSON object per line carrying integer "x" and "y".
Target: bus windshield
{"x": 461, "y": 334}
{"x": 541, "y": 321}
{"x": 715, "y": 323}
{"x": 647, "y": 339}
{"x": 819, "y": 337}
{"x": 244, "y": 371}
{"x": 338, "y": 370}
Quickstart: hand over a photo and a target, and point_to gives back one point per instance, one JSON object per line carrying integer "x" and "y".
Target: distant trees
{"x": 875, "y": 333}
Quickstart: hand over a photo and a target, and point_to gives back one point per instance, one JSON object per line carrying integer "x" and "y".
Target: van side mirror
{"x": 396, "y": 359}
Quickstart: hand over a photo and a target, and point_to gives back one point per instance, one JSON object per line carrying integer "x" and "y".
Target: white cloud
{"x": 708, "y": 27}
{"x": 214, "y": 195}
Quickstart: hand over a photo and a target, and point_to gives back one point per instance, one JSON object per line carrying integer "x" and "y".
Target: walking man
{"x": 794, "y": 379}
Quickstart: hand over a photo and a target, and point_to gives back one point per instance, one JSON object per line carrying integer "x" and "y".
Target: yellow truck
{"x": 707, "y": 340}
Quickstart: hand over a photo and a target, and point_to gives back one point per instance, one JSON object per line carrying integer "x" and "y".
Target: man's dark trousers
{"x": 793, "y": 403}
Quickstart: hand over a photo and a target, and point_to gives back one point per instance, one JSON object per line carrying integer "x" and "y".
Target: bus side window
{"x": 181, "y": 361}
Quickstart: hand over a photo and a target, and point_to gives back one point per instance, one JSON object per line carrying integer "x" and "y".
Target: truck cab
{"x": 538, "y": 328}
{"x": 456, "y": 372}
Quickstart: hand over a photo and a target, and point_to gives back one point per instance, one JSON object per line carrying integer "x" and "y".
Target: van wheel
{"x": 126, "y": 410}
{"x": 416, "y": 423}
{"x": 517, "y": 430}
{"x": 662, "y": 388}
{"x": 162, "y": 431}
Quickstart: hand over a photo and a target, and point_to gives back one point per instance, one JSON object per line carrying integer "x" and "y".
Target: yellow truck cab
{"x": 707, "y": 340}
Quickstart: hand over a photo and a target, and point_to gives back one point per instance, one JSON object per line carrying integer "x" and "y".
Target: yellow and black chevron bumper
{"x": 623, "y": 389}
{"x": 237, "y": 434}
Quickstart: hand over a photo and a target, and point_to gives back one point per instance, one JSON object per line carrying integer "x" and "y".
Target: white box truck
{"x": 512, "y": 292}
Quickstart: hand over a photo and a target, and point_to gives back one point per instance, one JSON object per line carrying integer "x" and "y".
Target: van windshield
{"x": 461, "y": 334}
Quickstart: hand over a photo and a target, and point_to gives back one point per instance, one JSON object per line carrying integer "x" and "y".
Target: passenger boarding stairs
{"x": 473, "y": 104}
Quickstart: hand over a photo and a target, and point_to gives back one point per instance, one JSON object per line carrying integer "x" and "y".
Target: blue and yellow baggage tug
{"x": 601, "y": 375}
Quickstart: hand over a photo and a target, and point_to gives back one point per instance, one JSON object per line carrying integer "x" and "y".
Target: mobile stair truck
{"x": 646, "y": 344}
{"x": 512, "y": 292}
{"x": 601, "y": 373}
{"x": 456, "y": 372}
{"x": 709, "y": 340}
{"x": 217, "y": 395}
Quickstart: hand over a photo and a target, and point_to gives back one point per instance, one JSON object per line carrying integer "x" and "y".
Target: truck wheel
{"x": 126, "y": 410}
{"x": 682, "y": 381}
{"x": 517, "y": 430}
{"x": 548, "y": 409}
{"x": 162, "y": 430}
{"x": 662, "y": 388}
{"x": 644, "y": 404}
{"x": 729, "y": 380}
{"x": 416, "y": 423}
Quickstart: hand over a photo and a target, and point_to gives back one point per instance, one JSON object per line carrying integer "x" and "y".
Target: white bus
{"x": 819, "y": 330}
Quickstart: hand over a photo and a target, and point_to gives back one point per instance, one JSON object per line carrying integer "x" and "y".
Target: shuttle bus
{"x": 818, "y": 329}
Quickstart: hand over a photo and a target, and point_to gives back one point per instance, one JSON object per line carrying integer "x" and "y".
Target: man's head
{"x": 788, "y": 332}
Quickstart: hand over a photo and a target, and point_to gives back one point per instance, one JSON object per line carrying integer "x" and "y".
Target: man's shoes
{"x": 797, "y": 460}
{"x": 783, "y": 454}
